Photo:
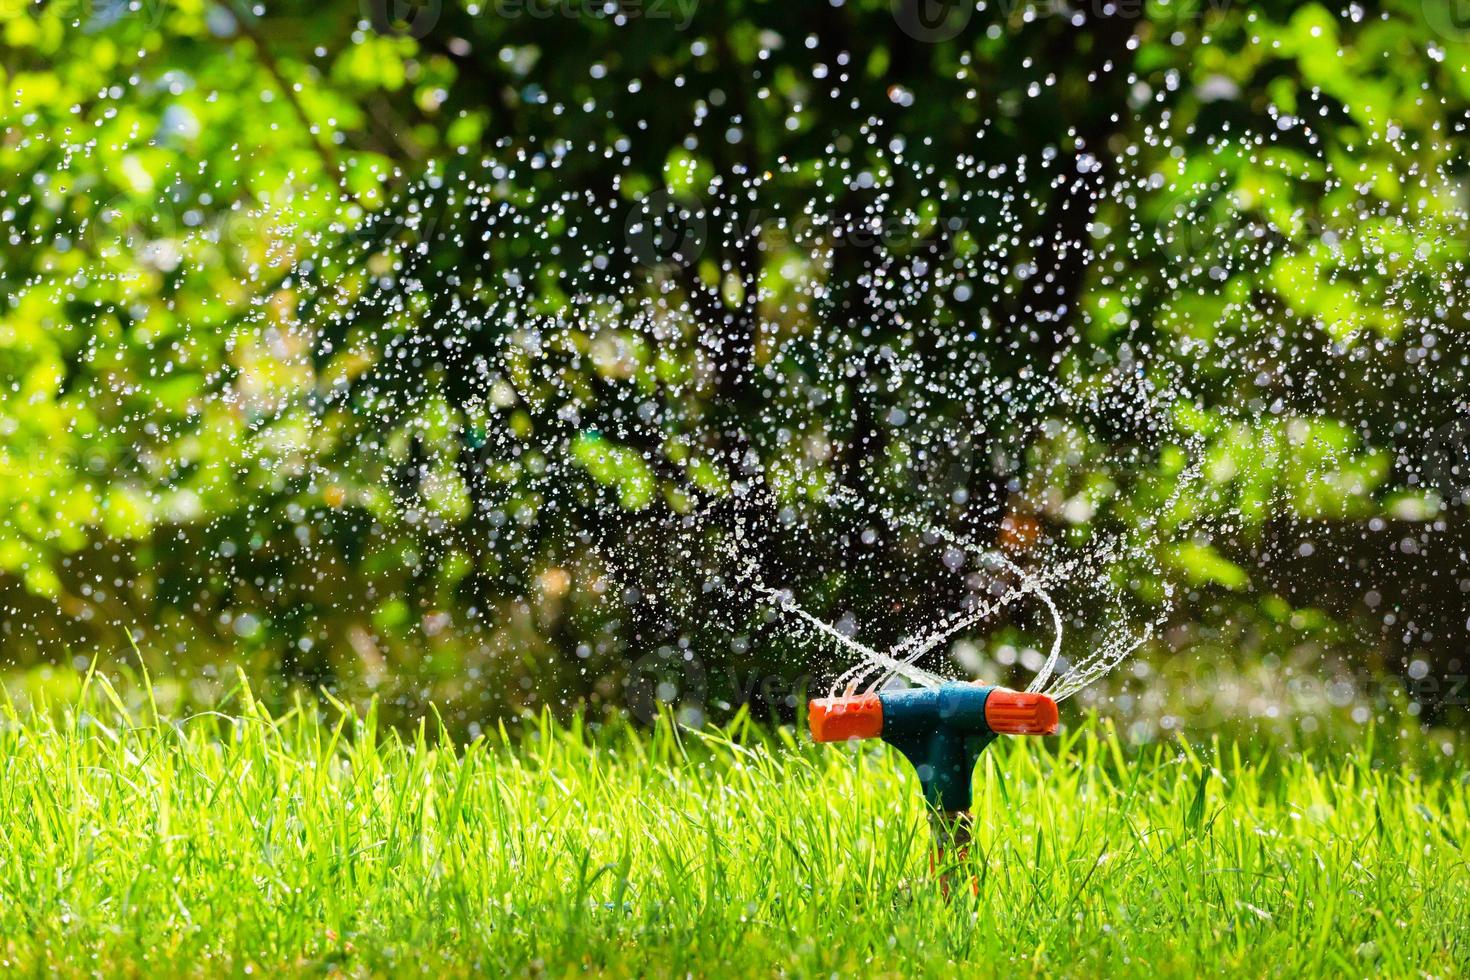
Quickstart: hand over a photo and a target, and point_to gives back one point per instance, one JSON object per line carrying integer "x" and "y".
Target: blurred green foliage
{"x": 138, "y": 493}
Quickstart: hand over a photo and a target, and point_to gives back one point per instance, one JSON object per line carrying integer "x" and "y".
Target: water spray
{"x": 941, "y": 731}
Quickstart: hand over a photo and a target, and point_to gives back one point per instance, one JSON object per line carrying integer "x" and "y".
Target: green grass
{"x": 310, "y": 843}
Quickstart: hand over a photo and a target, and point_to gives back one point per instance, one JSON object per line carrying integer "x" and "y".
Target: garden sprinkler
{"x": 941, "y": 731}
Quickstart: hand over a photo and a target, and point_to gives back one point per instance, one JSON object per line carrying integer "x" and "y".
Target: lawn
{"x": 236, "y": 842}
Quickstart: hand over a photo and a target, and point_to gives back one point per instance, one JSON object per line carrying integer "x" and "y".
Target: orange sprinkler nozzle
{"x": 838, "y": 719}
{"x": 1021, "y": 713}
